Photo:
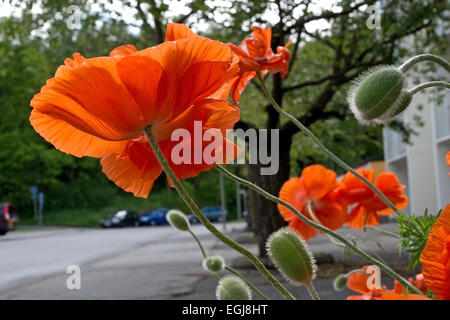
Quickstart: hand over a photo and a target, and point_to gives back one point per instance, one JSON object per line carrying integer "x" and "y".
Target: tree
{"x": 323, "y": 62}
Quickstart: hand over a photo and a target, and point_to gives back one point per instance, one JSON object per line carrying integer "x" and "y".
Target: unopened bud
{"x": 178, "y": 220}
{"x": 214, "y": 264}
{"x": 291, "y": 256}
{"x": 378, "y": 95}
{"x": 232, "y": 288}
{"x": 340, "y": 282}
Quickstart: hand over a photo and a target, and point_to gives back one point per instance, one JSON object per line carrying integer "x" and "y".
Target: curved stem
{"x": 429, "y": 84}
{"x": 312, "y": 291}
{"x": 314, "y": 217}
{"x": 240, "y": 276}
{"x": 335, "y": 158}
{"x": 208, "y": 225}
{"x": 425, "y": 57}
{"x": 236, "y": 273}
{"x": 320, "y": 227}
{"x": 199, "y": 243}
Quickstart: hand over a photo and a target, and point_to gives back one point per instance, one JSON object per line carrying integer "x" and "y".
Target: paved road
{"x": 135, "y": 263}
{"x": 31, "y": 260}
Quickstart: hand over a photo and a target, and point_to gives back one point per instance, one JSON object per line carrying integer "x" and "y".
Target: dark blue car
{"x": 214, "y": 214}
{"x": 154, "y": 217}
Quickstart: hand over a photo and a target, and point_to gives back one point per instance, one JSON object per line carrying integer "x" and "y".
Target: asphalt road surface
{"x": 129, "y": 263}
{"x": 141, "y": 263}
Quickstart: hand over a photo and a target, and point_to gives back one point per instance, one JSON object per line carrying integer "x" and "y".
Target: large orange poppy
{"x": 435, "y": 257}
{"x": 256, "y": 55}
{"x": 358, "y": 282}
{"x": 99, "y": 107}
{"x": 316, "y": 186}
{"x": 368, "y": 205}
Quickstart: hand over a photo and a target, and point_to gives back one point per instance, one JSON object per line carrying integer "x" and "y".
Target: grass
{"x": 90, "y": 217}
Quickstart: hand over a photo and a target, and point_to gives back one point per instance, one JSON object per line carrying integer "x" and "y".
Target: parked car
{"x": 119, "y": 219}
{"x": 214, "y": 214}
{"x": 154, "y": 217}
{"x": 9, "y": 218}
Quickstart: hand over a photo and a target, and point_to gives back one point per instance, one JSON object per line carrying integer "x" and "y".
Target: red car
{"x": 8, "y": 217}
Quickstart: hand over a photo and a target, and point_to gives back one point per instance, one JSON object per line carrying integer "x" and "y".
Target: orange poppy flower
{"x": 435, "y": 257}
{"x": 316, "y": 186}
{"x": 369, "y": 205}
{"x": 99, "y": 107}
{"x": 256, "y": 55}
{"x": 358, "y": 282}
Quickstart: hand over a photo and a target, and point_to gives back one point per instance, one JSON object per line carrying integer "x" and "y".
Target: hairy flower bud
{"x": 178, "y": 220}
{"x": 291, "y": 256}
{"x": 213, "y": 264}
{"x": 378, "y": 95}
{"x": 340, "y": 282}
{"x": 232, "y": 288}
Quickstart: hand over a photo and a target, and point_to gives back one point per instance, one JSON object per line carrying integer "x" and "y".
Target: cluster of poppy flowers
{"x": 100, "y": 107}
{"x": 320, "y": 197}
{"x": 435, "y": 276}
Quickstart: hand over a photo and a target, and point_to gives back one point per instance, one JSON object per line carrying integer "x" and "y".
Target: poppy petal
{"x": 357, "y": 281}
{"x": 177, "y": 31}
{"x": 435, "y": 257}
{"x": 239, "y": 84}
{"x": 264, "y": 35}
{"x": 71, "y": 140}
{"x": 91, "y": 98}
{"x": 291, "y": 192}
{"x": 124, "y": 50}
{"x": 305, "y": 230}
{"x": 318, "y": 181}
{"x": 360, "y": 216}
{"x": 141, "y": 75}
{"x": 135, "y": 171}
{"x": 330, "y": 212}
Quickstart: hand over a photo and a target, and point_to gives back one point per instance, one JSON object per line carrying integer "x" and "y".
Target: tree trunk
{"x": 264, "y": 213}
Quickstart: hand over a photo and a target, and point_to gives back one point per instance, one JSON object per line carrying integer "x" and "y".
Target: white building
{"x": 422, "y": 166}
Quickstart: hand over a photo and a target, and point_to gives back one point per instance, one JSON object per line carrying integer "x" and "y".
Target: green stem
{"x": 239, "y": 275}
{"x": 208, "y": 225}
{"x": 236, "y": 273}
{"x": 424, "y": 57}
{"x": 313, "y": 216}
{"x": 388, "y": 233}
{"x": 320, "y": 227}
{"x": 199, "y": 243}
{"x": 312, "y": 291}
{"x": 335, "y": 158}
{"x": 429, "y": 84}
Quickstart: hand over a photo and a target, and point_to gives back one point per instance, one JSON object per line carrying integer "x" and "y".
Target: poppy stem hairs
{"x": 335, "y": 158}
{"x": 208, "y": 225}
{"x": 319, "y": 227}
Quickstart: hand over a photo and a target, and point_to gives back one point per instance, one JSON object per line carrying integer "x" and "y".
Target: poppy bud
{"x": 178, "y": 220}
{"x": 290, "y": 254}
{"x": 232, "y": 288}
{"x": 378, "y": 95}
{"x": 340, "y": 282}
{"x": 213, "y": 264}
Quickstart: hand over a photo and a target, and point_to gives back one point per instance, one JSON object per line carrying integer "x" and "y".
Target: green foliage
{"x": 414, "y": 233}
{"x": 35, "y": 42}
